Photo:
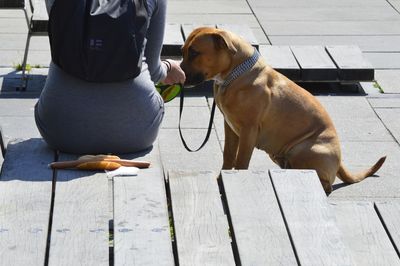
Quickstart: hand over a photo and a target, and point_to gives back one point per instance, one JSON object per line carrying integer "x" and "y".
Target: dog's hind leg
{"x": 320, "y": 158}
{"x": 281, "y": 161}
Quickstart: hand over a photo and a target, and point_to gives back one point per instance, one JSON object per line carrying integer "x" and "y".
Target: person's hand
{"x": 174, "y": 72}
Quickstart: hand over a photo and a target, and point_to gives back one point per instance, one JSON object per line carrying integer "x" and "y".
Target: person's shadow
{"x": 29, "y": 159}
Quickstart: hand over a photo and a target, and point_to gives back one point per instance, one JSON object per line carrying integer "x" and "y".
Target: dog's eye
{"x": 192, "y": 54}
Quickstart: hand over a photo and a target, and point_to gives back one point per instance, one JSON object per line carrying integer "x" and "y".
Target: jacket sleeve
{"x": 155, "y": 37}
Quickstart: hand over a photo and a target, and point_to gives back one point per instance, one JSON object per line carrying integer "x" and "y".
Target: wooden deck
{"x": 182, "y": 210}
{"x": 181, "y": 217}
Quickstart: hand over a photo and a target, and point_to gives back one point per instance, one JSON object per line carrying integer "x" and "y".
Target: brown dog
{"x": 264, "y": 109}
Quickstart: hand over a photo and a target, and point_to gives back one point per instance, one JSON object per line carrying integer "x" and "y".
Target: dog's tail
{"x": 348, "y": 177}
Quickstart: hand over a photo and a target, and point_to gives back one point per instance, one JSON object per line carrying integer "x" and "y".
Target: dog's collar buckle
{"x": 240, "y": 69}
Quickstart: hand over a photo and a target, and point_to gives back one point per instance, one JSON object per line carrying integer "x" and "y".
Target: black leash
{"x": 182, "y": 96}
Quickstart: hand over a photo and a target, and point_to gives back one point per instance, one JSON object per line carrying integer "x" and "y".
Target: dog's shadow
{"x": 342, "y": 185}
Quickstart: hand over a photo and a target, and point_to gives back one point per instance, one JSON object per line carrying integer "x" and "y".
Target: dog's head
{"x": 207, "y": 52}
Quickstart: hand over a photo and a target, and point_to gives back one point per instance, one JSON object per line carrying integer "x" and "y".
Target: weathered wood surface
{"x": 200, "y": 224}
{"x": 282, "y": 60}
{"x": 80, "y": 229}
{"x": 173, "y": 40}
{"x": 39, "y": 17}
{"x": 311, "y": 224}
{"x": 390, "y": 215}
{"x": 346, "y": 28}
{"x": 176, "y": 157}
{"x": 276, "y": 218}
{"x": 351, "y": 63}
{"x": 173, "y": 153}
{"x": 379, "y": 43}
{"x": 195, "y": 7}
{"x": 257, "y": 223}
{"x": 315, "y": 63}
{"x": 242, "y": 30}
{"x": 364, "y": 234}
{"x": 12, "y": 3}
{"x": 192, "y": 105}
{"x": 2, "y": 145}
{"x": 25, "y": 199}
{"x": 329, "y": 13}
{"x": 315, "y": 3}
{"x": 141, "y": 221}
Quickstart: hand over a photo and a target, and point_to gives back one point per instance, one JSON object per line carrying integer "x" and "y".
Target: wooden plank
{"x": 389, "y": 81}
{"x": 310, "y": 220}
{"x": 40, "y": 17}
{"x": 173, "y": 40}
{"x": 256, "y": 4}
{"x": 328, "y": 13}
{"x": 175, "y": 156}
{"x": 171, "y": 117}
{"x": 187, "y": 29}
{"x": 21, "y": 127}
{"x": 18, "y": 26}
{"x": 80, "y": 232}
{"x": 141, "y": 223}
{"x": 395, "y": 4}
{"x": 364, "y": 234}
{"x": 39, "y": 10}
{"x": 315, "y": 63}
{"x": 375, "y": 43}
{"x": 387, "y": 61}
{"x": 344, "y": 28}
{"x": 201, "y": 227}
{"x": 192, "y": 105}
{"x": 257, "y": 222}
{"x": 12, "y": 3}
{"x": 390, "y": 215}
{"x": 2, "y": 148}
{"x": 25, "y": 199}
{"x": 351, "y": 63}
{"x": 242, "y": 30}
{"x": 14, "y": 42}
{"x": 282, "y": 60}
{"x": 9, "y": 58}
{"x": 11, "y": 12}
{"x": 210, "y": 18}
{"x": 178, "y": 8}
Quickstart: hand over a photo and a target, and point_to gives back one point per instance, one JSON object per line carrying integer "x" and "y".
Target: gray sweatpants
{"x": 80, "y": 117}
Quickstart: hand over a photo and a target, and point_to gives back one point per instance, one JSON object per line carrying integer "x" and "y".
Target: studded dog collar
{"x": 240, "y": 69}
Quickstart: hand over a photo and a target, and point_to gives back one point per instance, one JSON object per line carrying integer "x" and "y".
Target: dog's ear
{"x": 222, "y": 41}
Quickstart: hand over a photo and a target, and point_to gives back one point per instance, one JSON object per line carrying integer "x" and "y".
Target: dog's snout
{"x": 194, "y": 78}
{"x": 183, "y": 66}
